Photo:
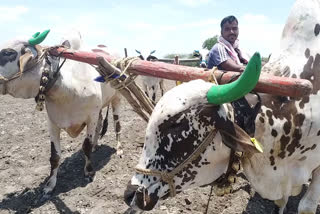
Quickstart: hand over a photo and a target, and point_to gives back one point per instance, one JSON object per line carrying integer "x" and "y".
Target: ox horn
{"x": 219, "y": 94}
{"x": 37, "y": 38}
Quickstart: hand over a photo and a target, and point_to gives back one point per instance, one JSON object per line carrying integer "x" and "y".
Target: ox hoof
{"x": 232, "y": 179}
{"x": 228, "y": 189}
{"x": 219, "y": 191}
{"x": 94, "y": 148}
{"x": 44, "y": 197}
{"x": 236, "y": 166}
{"x": 120, "y": 153}
{"x": 89, "y": 178}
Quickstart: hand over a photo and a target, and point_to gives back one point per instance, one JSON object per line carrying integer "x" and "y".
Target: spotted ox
{"x": 288, "y": 129}
{"x": 72, "y": 99}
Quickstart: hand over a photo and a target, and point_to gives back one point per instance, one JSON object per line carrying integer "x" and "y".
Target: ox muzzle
{"x": 139, "y": 198}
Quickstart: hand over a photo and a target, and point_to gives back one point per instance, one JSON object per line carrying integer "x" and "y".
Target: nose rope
{"x": 168, "y": 176}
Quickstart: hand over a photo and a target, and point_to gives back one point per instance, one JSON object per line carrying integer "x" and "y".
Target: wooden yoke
{"x": 282, "y": 86}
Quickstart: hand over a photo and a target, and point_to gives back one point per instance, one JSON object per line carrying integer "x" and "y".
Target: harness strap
{"x": 168, "y": 176}
{"x": 47, "y": 81}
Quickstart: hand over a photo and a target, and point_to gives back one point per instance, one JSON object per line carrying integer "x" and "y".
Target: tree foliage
{"x": 210, "y": 42}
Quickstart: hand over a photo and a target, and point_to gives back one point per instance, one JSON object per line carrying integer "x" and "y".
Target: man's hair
{"x": 229, "y": 19}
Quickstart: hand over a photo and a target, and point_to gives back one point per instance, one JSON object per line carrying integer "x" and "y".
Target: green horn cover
{"x": 219, "y": 94}
{"x": 36, "y": 34}
{"x": 38, "y": 38}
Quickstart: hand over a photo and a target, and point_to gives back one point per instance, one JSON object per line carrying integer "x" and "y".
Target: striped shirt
{"x": 217, "y": 55}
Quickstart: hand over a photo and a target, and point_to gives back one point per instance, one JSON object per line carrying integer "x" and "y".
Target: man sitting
{"x": 225, "y": 54}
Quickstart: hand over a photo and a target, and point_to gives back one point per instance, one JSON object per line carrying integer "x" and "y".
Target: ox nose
{"x": 129, "y": 193}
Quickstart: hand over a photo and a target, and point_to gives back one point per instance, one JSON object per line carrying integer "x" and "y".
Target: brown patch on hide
{"x": 318, "y": 133}
{"x": 75, "y": 130}
{"x": 269, "y": 115}
{"x": 311, "y": 71}
{"x": 282, "y": 107}
{"x": 287, "y": 127}
{"x": 261, "y": 119}
{"x": 272, "y": 162}
{"x": 299, "y": 119}
{"x": 307, "y": 53}
{"x": 295, "y": 142}
{"x": 316, "y": 29}
{"x": 303, "y": 101}
{"x": 284, "y": 141}
{"x": 274, "y": 133}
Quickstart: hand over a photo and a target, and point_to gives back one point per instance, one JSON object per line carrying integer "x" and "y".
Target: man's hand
{"x": 230, "y": 65}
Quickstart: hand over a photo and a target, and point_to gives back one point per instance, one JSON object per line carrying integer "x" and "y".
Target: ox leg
{"x": 310, "y": 200}
{"x": 87, "y": 147}
{"x": 116, "y": 122}
{"x": 145, "y": 89}
{"x": 154, "y": 90}
{"x": 98, "y": 129}
{"x": 281, "y": 203}
{"x": 161, "y": 83}
{"x": 54, "y": 159}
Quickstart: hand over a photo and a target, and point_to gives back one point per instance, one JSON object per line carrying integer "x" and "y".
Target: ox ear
{"x": 66, "y": 43}
{"x": 236, "y": 138}
{"x": 25, "y": 59}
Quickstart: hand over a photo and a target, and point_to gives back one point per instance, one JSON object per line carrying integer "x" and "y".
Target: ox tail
{"x": 105, "y": 124}
{"x": 219, "y": 94}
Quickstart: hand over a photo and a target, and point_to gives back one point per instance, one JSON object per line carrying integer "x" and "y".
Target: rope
{"x": 123, "y": 65}
{"x": 212, "y": 77}
{"x": 168, "y": 176}
{"x": 209, "y": 198}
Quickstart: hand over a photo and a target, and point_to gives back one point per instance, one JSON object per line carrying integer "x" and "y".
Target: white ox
{"x": 73, "y": 102}
{"x": 151, "y": 84}
{"x": 288, "y": 129}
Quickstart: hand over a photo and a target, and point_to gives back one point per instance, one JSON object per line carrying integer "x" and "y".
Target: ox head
{"x": 184, "y": 118}
{"x": 16, "y": 57}
{"x": 150, "y": 57}
{"x": 72, "y": 39}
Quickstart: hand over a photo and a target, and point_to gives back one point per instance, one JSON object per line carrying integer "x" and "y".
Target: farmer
{"x": 225, "y": 54}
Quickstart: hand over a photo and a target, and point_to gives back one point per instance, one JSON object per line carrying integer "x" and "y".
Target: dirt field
{"x": 24, "y": 167}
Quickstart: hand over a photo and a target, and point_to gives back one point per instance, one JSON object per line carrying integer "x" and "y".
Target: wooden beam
{"x": 282, "y": 86}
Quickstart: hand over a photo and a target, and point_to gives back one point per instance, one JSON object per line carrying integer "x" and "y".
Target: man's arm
{"x": 230, "y": 65}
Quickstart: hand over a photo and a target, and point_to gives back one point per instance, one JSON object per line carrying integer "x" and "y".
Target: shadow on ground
{"x": 70, "y": 176}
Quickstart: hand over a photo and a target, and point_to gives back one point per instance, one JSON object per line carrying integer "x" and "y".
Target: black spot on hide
{"x": 316, "y": 29}
{"x": 7, "y": 55}
{"x": 307, "y": 53}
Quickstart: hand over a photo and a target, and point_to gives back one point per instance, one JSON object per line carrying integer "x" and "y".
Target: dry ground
{"x": 24, "y": 167}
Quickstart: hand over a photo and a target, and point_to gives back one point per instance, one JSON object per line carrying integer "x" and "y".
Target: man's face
{"x": 230, "y": 31}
